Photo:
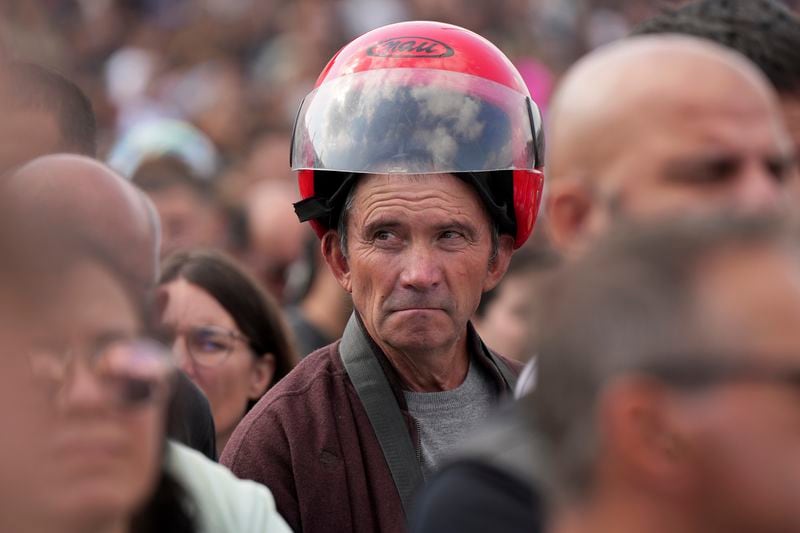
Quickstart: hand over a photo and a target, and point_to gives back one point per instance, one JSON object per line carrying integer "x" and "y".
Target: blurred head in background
{"x": 767, "y": 32}
{"x": 273, "y": 237}
{"x": 503, "y": 317}
{"x": 630, "y": 138}
{"x": 44, "y": 113}
{"x": 186, "y": 203}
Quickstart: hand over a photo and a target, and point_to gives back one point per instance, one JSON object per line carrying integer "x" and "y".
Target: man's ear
{"x": 569, "y": 205}
{"x": 499, "y": 265}
{"x": 336, "y": 259}
{"x": 645, "y": 436}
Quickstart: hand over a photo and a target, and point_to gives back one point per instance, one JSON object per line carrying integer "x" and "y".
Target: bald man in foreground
{"x": 84, "y": 194}
{"x": 644, "y": 128}
{"x": 81, "y": 193}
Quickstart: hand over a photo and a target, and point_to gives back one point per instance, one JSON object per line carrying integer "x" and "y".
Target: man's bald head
{"x": 663, "y": 123}
{"x": 612, "y": 96}
{"x": 83, "y": 194}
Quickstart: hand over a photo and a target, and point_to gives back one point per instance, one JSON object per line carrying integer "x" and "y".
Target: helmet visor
{"x": 415, "y": 121}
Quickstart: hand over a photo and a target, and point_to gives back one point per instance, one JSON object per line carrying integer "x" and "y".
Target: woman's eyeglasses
{"x": 210, "y": 345}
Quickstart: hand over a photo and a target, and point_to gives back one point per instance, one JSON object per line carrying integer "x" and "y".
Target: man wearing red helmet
{"x": 419, "y": 156}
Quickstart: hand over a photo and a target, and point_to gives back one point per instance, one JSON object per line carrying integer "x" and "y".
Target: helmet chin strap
{"x": 325, "y": 207}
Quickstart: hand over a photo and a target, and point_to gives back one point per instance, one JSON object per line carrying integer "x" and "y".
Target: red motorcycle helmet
{"x": 420, "y": 98}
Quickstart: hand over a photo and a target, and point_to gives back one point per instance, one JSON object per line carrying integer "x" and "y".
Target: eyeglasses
{"x": 210, "y": 345}
{"x": 131, "y": 372}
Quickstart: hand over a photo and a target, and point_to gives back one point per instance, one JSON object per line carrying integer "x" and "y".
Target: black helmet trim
{"x": 494, "y": 188}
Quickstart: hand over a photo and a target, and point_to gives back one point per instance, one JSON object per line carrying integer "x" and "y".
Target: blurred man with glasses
{"x": 677, "y": 407}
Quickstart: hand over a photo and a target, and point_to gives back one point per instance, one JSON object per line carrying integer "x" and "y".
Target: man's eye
{"x": 780, "y": 169}
{"x": 450, "y": 234}
{"x": 715, "y": 171}
{"x": 382, "y": 235}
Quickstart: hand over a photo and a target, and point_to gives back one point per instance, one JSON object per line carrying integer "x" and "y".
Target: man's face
{"x": 694, "y": 154}
{"x": 745, "y": 435}
{"x": 187, "y": 220}
{"x": 419, "y": 259}
{"x": 80, "y": 455}
{"x": 506, "y": 325}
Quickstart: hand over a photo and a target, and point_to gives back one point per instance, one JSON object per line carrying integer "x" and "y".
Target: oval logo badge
{"x": 410, "y": 47}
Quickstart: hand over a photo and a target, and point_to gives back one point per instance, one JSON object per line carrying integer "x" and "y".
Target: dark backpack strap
{"x": 383, "y": 411}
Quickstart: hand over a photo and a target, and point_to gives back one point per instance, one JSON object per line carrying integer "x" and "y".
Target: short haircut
{"x": 167, "y": 171}
{"x": 628, "y": 305}
{"x": 36, "y": 88}
{"x": 765, "y": 31}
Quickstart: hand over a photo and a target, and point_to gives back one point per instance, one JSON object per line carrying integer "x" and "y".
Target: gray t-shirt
{"x": 444, "y": 419}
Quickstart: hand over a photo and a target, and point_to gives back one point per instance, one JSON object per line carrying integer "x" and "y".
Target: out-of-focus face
{"x": 275, "y": 236}
{"x": 505, "y": 327}
{"x": 744, "y": 435}
{"x": 213, "y": 352}
{"x": 714, "y": 147}
{"x": 187, "y": 221}
{"x": 96, "y": 458}
{"x": 731, "y": 153}
{"x": 791, "y": 113}
{"x": 26, "y": 134}
{"x": 790, "y": 105}
{"x": 418, "y": 261}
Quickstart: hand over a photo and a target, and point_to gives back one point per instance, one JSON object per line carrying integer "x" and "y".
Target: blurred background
{"x": 195, "y": 98}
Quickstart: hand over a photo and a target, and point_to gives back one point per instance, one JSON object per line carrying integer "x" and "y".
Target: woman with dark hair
{"x": 228, "y": 335}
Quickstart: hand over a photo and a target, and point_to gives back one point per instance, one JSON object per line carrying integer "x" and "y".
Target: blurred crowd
{"x": 239, "y": 69}
{"x": 161, "y": 295}
{"x": 195, "y": 100}
{"x": 217, "y": 83}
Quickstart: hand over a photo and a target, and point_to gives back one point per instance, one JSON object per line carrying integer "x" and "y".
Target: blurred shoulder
{"x": 222, "y": 502}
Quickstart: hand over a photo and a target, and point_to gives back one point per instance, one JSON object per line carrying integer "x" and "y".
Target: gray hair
{"x": 347, "y": 207}
{"x": 628, "y": 305}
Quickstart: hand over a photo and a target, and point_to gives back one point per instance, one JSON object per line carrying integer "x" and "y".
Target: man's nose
{"x": 422, "y": 269}
{"x": 759, "y": 190}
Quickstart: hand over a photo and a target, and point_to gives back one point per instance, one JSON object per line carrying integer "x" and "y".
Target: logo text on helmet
{"x": 410, "y": 47}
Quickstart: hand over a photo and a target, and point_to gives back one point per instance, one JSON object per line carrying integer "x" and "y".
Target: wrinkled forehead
{"x": 667, "y": 138}
{"x": 418, "y": 196}
{"x": 719, "y": 98}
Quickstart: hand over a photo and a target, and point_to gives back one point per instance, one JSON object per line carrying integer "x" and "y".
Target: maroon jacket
{"x": 310, "y": 441}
